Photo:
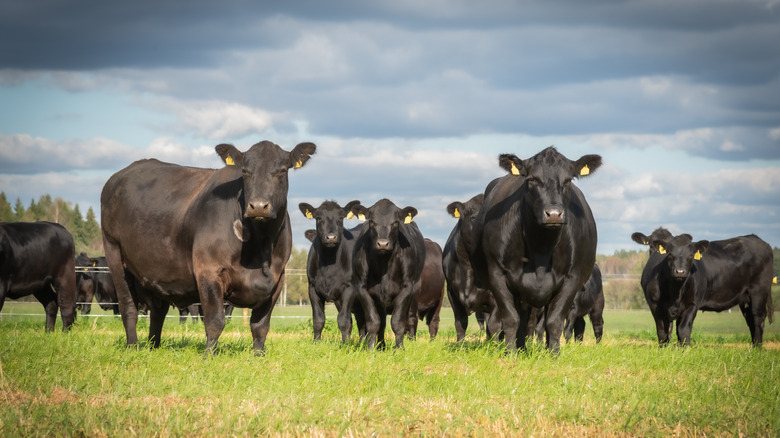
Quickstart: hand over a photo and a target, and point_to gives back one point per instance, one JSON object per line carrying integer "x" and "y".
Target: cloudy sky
{"x": 409, "y": 100}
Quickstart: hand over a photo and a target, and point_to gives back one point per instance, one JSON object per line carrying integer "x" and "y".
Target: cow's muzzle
{"x": 260, "y": 210}
{"x": 383, "y": 245}
{"x": 553, "y": 216}
{"x": 330, "y": 240}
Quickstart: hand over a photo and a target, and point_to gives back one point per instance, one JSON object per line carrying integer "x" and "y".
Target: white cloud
{"x": 216, "y": 120}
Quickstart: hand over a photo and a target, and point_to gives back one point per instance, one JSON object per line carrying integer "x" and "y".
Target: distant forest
{"x": 85, "y": 230}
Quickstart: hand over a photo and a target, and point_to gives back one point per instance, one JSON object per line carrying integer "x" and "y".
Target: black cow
{"x": 535, "y": 240}
{"x": 201, "y": 235}
{"x": 464, "y": 295}
{"x": 329, "y": 265}
{"x": 682, "y": 277}
{"x": 105, "y": 290}
{"x": 85, "y": 283}
{"x": 387, "y": 264}
{"x": 39, "y": 258}
{"x": 427, "y": 300}
{"x": 588, "y": 301}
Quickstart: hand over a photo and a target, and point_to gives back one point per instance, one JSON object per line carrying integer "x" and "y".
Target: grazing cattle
{"x": 464, "y": 295}
{"x": 427, "y": 300}
{"x": 39, "y": 258}
{"x": 683, "y": 277}
{"x": 387, "y": 264}
{"x": 190, "y": 235}
{"x": 85, "y": 283}
{"x": 329, "y": 265}
{"x": 588, "y": 301}
{"x": 535, "y": 241}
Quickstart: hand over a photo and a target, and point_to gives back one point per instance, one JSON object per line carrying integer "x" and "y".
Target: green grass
{"x": 86, "y": 382}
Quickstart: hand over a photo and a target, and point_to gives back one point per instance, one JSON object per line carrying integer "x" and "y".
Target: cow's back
{"x": 40, "y": 252}
{"x": 730, "y": 268}
{"x": 146, "y": 208}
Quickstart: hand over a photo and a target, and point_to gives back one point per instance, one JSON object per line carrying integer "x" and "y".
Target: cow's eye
{"x": 245, "y": 172}
{"x": 533, "y": 180}
{"x": 567, "y": 182}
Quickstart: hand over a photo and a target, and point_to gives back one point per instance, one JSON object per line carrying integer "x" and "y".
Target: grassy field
{"x": 86, "y": 383}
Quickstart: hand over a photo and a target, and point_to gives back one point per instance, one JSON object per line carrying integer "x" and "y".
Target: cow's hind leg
{"x": 579, "y": 328}
{"x": 65, "y": 286}
{"x": 158, "y": 309}
{"x": 49, "y": 301}
{"x": 122, "y": 280}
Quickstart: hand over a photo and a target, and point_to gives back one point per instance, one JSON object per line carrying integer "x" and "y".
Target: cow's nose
{"x": 679, "y": 272}
{"x": 330, "y": 238}
{"x": 553, "y": 215}
{"x": 382, "y": 244}
{"x": 259, "y": 208}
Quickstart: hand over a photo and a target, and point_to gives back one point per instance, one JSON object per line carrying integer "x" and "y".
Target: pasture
{"x": 87, "y": 383}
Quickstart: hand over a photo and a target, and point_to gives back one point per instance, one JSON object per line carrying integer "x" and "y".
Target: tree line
{"x": 85, "y": 230}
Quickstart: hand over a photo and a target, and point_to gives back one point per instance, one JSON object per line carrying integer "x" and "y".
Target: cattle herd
{"x": 521, "y": 256}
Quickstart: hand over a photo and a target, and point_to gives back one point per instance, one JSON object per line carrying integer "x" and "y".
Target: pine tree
{"x": 6, "y": 212}
{"x": 19, "y": 211}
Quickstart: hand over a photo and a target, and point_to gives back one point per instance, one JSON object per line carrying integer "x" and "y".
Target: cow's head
{"x": 548, "y": 176}
{"x": 264, "y": 170}
{"x": 466, "y": 213}
{"x": 330, "y": 220}
{"x": 384, "y": 221}
{"x": 681, "y": 251}
{"x": 660, "y": 234}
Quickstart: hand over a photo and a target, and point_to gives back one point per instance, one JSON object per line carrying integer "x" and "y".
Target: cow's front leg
{"x": 371, "y": 314}
{"x": 399, "y": 318}
{"x": 49, "y": 301}
{"x": 212, "y": 305}
{"x": 317, "y": 313}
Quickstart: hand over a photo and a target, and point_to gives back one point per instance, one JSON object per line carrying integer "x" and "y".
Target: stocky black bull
{"x": 189, "y": 235}
{"x": 535, "y": 240}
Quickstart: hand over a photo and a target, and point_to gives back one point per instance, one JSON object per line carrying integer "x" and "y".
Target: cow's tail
{"x": 770, "y": 308}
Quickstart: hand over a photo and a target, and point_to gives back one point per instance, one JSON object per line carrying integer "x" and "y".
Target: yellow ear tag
{"x": 408, "y": 219}
{"x": 661, "y": 250}
{"x": 362, "y": 217}
{"x": 229, "y": 161}
{"x": 697, "y": 256}
{"x": 585, "y": 170}
{"x": 309, "y": 215}
{"x": 298, "y": 164}
{"x": 515, "y": 170}
{"x": 350, "y": 215}
{"x": 94, "y": 264}
{"x": 774, "y": 280}
{"x": 456, "y": 213}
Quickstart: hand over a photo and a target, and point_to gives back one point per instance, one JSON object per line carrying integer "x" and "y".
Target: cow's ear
{"x": 348, "y": 208}
{"x": 688, "y": 236}
{"x": 456, "y": 209}
{"x": 701, "y": 247}
{"x": 230, "y": 155}
{"x": 301, "y": 154}
{"x": 659, "y": 246}
{"x": 640, "y": 239}
{"x": 307, "y": 210}
{"x": 310, "y": 235}
{"x": 408, "y": 213}
{"x": 512, "y": 164}
{"x": 586, "y": 165}
{"x": 359, "y": 212}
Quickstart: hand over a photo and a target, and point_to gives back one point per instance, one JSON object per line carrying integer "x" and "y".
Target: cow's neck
{"x": 540, "y": 242}
{"x": 256, "y": 251}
